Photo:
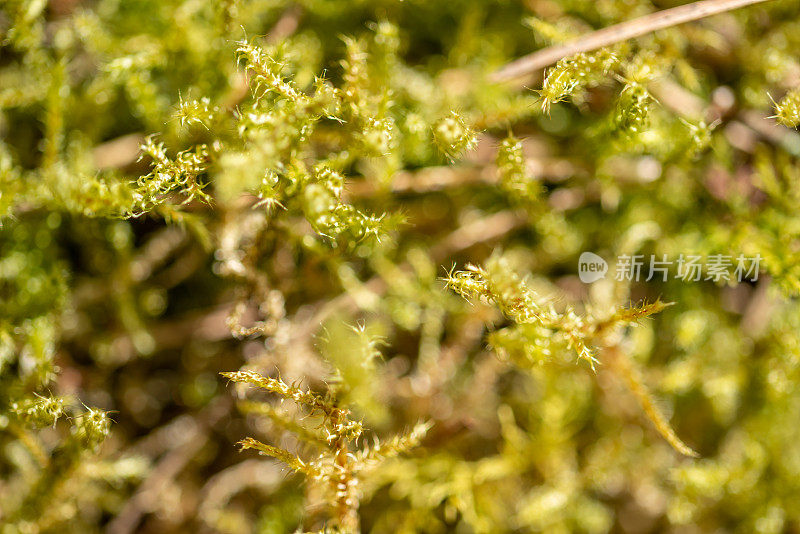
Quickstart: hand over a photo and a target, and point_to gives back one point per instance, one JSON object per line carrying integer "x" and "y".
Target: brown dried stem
{"x": 617, "y": 33}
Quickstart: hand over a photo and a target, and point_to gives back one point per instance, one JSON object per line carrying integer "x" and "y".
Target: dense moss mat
{"x": 432, "y": 301}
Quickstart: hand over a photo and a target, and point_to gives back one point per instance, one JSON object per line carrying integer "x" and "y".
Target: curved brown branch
{"x": 617, "y": 33}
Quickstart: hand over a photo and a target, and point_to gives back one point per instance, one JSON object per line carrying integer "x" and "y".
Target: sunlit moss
{"x": 307, "y": 190}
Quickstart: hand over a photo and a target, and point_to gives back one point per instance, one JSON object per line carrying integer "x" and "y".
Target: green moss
{"x": 305, "y": 191}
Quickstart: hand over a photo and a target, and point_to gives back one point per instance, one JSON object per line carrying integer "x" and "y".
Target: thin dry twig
{"x": 617, "y": 33}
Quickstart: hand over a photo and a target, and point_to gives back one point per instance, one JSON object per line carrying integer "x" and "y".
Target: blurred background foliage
{"x": 196, "y": 187}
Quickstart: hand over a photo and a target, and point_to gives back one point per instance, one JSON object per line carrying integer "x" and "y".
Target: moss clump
{"x": 337, "y": 207}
